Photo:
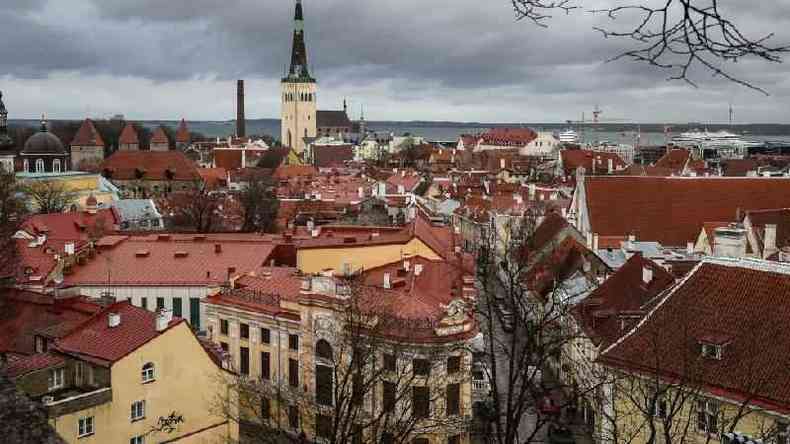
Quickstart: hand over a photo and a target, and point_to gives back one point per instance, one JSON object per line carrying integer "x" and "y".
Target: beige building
{"x": 298, "y": 102}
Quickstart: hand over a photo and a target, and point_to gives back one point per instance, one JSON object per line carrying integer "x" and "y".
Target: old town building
{"x": 87, "y": 147}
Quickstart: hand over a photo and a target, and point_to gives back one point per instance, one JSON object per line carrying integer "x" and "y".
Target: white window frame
{"x": 710, "y": 409}
{"x": 137, "y": 439}
{"x": 56, "y": 165}
{"x": 85, "y": 427}
{"x": 660, "y": 407}
{"x": 148, "y": 372}
{"x": 56, "y": 378}
{"x": 711, "y": 351}
{"x": 40, "y": 166}
{"x": 138, "y": 411}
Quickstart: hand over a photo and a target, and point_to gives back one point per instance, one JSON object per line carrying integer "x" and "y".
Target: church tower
{"x": 298, "y": 102}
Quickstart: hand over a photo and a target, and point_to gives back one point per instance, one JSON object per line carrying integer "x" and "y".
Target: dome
{"x": 43, "y": 142}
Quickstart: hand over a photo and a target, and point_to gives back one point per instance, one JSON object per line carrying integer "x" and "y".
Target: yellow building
{"x": 82, "y": 185}
{"x": 128, "y": 375}
{"x": 707, "y": 363}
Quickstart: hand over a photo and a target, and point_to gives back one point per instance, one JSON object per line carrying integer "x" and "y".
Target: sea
{"x": 628, "y": 133}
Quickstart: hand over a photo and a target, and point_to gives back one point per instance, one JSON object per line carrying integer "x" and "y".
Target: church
{"x": 301, "y": 121}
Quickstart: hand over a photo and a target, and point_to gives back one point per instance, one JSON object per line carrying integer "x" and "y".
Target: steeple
{"x": 43, "y": 123}
{"x": 3, "y": 116}
{"x": 299, "y": 69}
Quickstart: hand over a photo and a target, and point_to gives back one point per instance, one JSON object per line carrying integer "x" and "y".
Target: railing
{"x": 79, "y": 402}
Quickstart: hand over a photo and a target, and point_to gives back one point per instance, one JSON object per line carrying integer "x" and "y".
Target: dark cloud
{"x": 447, "y": 53}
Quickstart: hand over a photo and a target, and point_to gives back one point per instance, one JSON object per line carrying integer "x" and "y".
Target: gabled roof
{"x": 508, "y": 136}
{"x": 672, "y": 210}
{"x": 327, "y": 155}
{"x": 128, "y": 136}
{"x": 182, "y": 133}
{"x": 96, "y": 339}
{"x": 779, "y": 217}
{"x": 332, "y": 119}
{"x": 289, "y": 171}
{"x": 674, "y": 160}
{"x": 593, "y": 162}
{"x": 740, "y": 305}
{"x": 87, "y": 135}
{"x": 122, "y": 165}
{"x": 624, "y": 294}
{"x": 72, "y": 226}
{"x": 160, "y": 136}
{"x": 21, "y": 366}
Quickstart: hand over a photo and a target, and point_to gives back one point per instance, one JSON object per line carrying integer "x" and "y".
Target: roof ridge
{"x": 750, "y": 263}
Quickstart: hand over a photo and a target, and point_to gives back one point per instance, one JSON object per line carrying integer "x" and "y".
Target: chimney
{"x": 310, "y": 225}
{"x": 163, "y": 318}
{"x": 610, "y": 165}
{"x": 730, "y": 241}
{"x": 502, "y": 163}
{"x": 241, "y": 124}
{"x": 690, "y": 248}
{"x": 387, "y": 283}
{"x": 769, "y": 241}
{"x": 113, "y": 320}
{"x": 417, "y": 269}
{"x": 595, "y": 242}
{"x": 589, "y": 240}
{"x": 69, "y": 248}
{"x": 647, "y": 274}
{"x": 406, "y": 264}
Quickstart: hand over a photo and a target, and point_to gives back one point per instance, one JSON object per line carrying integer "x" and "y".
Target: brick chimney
{"x": 241, "y": 124}
{"x": 769, "y": 241}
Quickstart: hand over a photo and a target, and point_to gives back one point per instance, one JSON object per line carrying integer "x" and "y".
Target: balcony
{"x": 74, "y": 401}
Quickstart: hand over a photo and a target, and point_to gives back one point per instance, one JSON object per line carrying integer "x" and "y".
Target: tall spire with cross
{"x": 299, "y": 68}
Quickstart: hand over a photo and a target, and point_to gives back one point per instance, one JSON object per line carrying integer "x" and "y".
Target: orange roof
{"x": 128, "y": 135}
{"x": 182, "y": 133}
{"x": 213, "y": 177}
{"x": 87, "y": 135}
{"x": 160, "y": 136}
{"x": 122, "y": 165}
{"x": 672, "y": 210}
{"x": 593, "y": 162}
{"x": 289, "y": 171}
{"x": 675, "y": 160}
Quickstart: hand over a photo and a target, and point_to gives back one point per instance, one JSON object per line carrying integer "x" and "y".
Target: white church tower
{"x": 298, "y": 93}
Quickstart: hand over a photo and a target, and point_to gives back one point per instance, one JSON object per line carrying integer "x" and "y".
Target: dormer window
{"x": 712, "y": 345}
{"x": 711, "y": 351}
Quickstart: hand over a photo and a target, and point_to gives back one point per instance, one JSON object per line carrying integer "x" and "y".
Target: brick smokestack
{"x": 241, "y": 127}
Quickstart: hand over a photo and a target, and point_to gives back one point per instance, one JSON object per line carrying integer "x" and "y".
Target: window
{"x": 323, "y": 350}
{"x": 194, "y": 313}
{"x": 137, "y": 440}
{"x": 138, "y": 410}
{"x": 177, "y": 307}
{"x": 453, "y": 364}
{"x": 224, "y": 346}
{"x": 293, "y": 416}
{"x": 85, "y": 426}
{"x": 293, "y": 373}
{"x": 39, "y": 165}
{"x": 782, "y": 433}
{"x": 79, "y": 370}
{"x": 56, "y": 166}
{"x": 453, "y": 399}
{"x": 324, "y": 393}
{"x": 711, "y": 351}
{"x": 266, "y": 365}
{"x": 244, "y": 331}
{"x": 266, "y": 408}
{"x": 390, "y": 363}
{"x": 421, "y": 367}
{"x": 293, "y": 342}
{"x": 26, "y": 166}
{"x": 56, "y": 379}
{"x": 160, "y": 303}
{"x": 323, "y": 426}
{"x": 148, "y": 372}
{"x": 388, "y": 394}
{"x": 660, "y": 406}
{"x": 420, "y": 402}
{"x": 266, "y": 336}
{"x": 224, "y": 327}
{"x": 244, "y": 358}
{"x": 708, "y": 416}
{"x": 144, "y": 303}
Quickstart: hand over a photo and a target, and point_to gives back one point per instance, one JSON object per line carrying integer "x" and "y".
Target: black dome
{"x": 43, "y": 142}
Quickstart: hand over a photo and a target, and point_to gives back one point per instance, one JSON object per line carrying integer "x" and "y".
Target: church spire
{"x": 299, "y": 70}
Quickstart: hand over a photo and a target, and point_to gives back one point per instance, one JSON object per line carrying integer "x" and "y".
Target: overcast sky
{"x": 460, "y": 60}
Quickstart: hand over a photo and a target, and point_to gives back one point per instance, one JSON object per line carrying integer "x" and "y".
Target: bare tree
{"x": 12, "y": 214}
{"x": 671, "y": 35}
{"x": 50, "y": 196}
{"x": 259, "y": 204}
{"x": 369, "y": 386}
{"x": 197, "y": 209}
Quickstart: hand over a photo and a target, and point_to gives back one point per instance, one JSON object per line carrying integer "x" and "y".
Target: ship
{"x": 720, "y": 144}
{"x": 568, "y": 136}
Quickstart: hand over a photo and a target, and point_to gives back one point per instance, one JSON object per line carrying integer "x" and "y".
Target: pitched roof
{"x": 508, "y": 136}
{"x": 122, "y": 165}
{"x": 96, "y": 339}
{"x": 675, "y": 160}
{"x": 593, "y": 162}
{"x": 672, "y": 210}
{"x": 128, "y": 135}
{"x": 779, "y": 217}
{"x": 327, "y": 155}
{"x": 171, "y": 260}
{"x": 21, "y": 366}
{"x": 332, "y": 119}
{"x": 182, "y": 133}
{"x": 738, "y": 167}
{"x": 160, "y": 136}
{"x": 72, "y": 226}
{"x": 741, "y": 305}
{"x": 625, "y": 293}
{"x": 87, "y": 135}
{"x": 289, "y": 171}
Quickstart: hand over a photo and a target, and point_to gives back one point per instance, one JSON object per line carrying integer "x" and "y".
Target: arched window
{"x": 26, "y": 166}
{"x": 56, "y": 166}
{"x": 324, "y": 369}
{"x": 39, "y": 165}
{"x": 148, "y": 372}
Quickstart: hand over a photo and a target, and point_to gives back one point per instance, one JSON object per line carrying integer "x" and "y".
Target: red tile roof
{"x": 122, "y": 165}
{"x": 182, "y": 133}
{"x": 744, "y": 301}
{"x": 87, "y": 135}
{"x": 328, "y": 155}
{"x": 779, "y": 217}
{"x": 672, "y": 210}
{"x": 674, "y": 160}
{"x": 96, "y": 339}
{"x": 128, "y": 136}
{"x": 738, "y": 167}
{"x": 160, "y": 136}
{"x": 409, "y": 181}
{"x": 228, "y": 159}
{"x": 214, "y": 177}
{"x": 625, "y": 293}
{"x": 508, "y": 136}
{"x": 173, "y": 260}
{"x": 284, "y": 172}
{"x": 593, "y": 162}
{"x": 72, "y": 226}
{"x": 21, "y": 366}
